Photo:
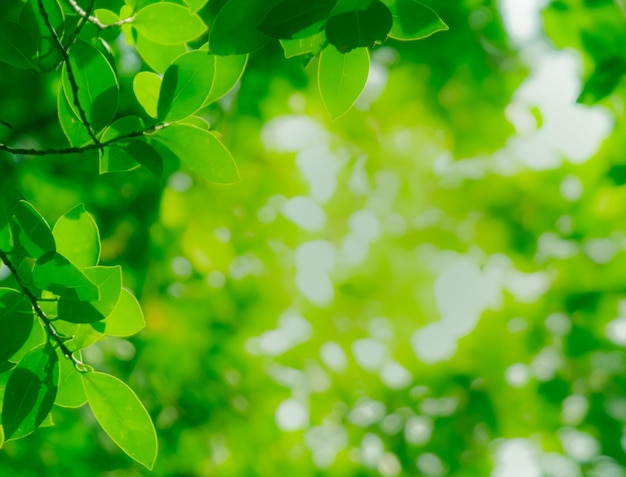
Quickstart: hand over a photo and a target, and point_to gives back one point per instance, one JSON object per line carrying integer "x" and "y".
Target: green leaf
{"x": 30, "y": 392}
{"x": 201, "y": 151}
{"x": 126, "y": 319}
{"x": 77, "y": 237}
{"x": 357, "y": 23}
{"x": 234, "y": 32}
{"x": 71, "y": 392}
{"x": 122, "y": 416}
{"x": 168, "y": 24}
{"x": 412, "y": 20}
{"x": 6, "y": 235}
{"x": 17, "y": 46}
{"x": 75, "y": 131}
{"x": 55, "y": 273}
{"x": 146, "y": 86}
{"x": 302, "y": 46}
{"x": 227, "y": 72}
{"x": 109, "y": 284}
{"x": 186, "y": 86}
{"x": 97, "y": 84}
{"x": 341, "y": 78}
{"x": 16, "y": 322}
{"x": 288, "y": 17}
{"x": 31, "y": 231}
{"x": 127, "y": 154}
{"x": 48, "y": 55}
{"x": 157, "y": 56}
{"x": 37, "y": 337}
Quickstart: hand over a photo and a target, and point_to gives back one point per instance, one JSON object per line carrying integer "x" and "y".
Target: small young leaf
{"x": 146, "y": 86}
{"x": 126, "y": 319}
{"x": 55, "y": 273}
{"x": 109, "y": 284}
{"x": 17, "y": 46}
{"x": 227, "y": 72}
{"x": 30, "y": 392}
{"x": 71, "y": 392}
{"x": 412, "y": 20}
{"x": 77, "y": 237}
{"x": 201, "y": 151}
{"x": 157, "y": 56}
{"x": 341, "y": 78}
{"x": 186, "y": 86}
{"x": 168, "y": 24}
{"x": 16, "y": 322}
{"x": 122, "y": 416}
{"x": 354, "y": 24}
{"x": 31, "y": 231}
{"x": 97, "y": 84}
{"x": 288, "y": 17}
{"x": 234, "y": 32}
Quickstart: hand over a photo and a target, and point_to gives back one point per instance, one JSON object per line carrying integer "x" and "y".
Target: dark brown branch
{"x": 81, "y": 149}
{"x": 70, "y": 71}
{"x": 34, "y": 301}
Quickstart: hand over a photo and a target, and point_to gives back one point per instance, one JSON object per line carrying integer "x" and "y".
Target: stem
{"x": 78, "y": 150}
{"x": 92, "y": 19}
{"x": 52, "y": 331}
{"x": 70, "y": 71}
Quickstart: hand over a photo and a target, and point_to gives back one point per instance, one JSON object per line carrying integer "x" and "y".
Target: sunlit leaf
{"x": 312, "y": 44}
{"x": 16, "y": 322}
{"x": 341, "y": 78}
{"x": 157, "y": 56}
{"x": 56, "y": 273}
{"x": 31, "y": 231}
{"x": 71, "y": 392}
{"x": 77, "y": 237}
{"x": 122, "y": 416}
{"x": 146, "y": 86}
{"x": 227, "y": 72}
{"x": 168, "y": 24}
{"x": 413, "y": 20}
{"x": 201, "y": 151}
{"x": 126, "y": 319}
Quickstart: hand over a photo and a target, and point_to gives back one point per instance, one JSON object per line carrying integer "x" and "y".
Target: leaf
{"x": 413, "y": 20}
{"x": 122, "y": 416}
{"x": 234, "y": 32}
{"x": 195, "y": 5}
{"x": 6, "y": 235}
{"x": 30, "y": 231}
{"x": 227, "y": 72}
{"x": 127, "y": 154}
{"x": 48, "y": 55}
{"x": 157, "y": 56}
{"x": 30, "y": 392}
{"x": 168, "y": 24}
{"x": 186, "y": 85}
{"x": 109, "y": 284}
{"x": 126, "y": 319}
{"x": 36, "y": 338}
{"x": 17, "y": 46}
{"x": 77, "y": 237}
{"x": 97, "y": 84}
{"x": 341, "y": 78}
{"x": 201, "y": 151}
{"x": 288, "y": 17}
{"x": 16, "y": 322}
{"x": 71, "y": 392}
{"x": 355, "y": 23}
{"x": 146, "y": 86}
{"x": 75, "y": 131}
{"x": 302, "y": 46}
{"x": 55, "y": 273}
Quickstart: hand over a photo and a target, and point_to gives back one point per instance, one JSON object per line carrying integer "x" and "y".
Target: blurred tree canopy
{"x": 429, "y": 283}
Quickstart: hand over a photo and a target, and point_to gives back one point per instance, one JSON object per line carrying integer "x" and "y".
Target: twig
{"x": 91, "y": 18}
{"x": 4, "y": 123}
{"x": 83, "y": 20}
{"x": 78, "y": 150}
{"x": 34, "y": 301}
{"x": 70, "y": 72}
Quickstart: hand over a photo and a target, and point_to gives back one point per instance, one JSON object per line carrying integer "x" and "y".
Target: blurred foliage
{"x": 400, "y": 292}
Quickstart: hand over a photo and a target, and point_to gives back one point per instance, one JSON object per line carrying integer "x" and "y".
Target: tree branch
{"x": 70, "y": 72}
{"x": 34, "y": 301}
{"x": 92, "y": 19}
{"x": 81, "y": 149}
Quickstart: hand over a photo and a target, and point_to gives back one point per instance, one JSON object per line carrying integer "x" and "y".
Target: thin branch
{"x": 34, "y": 301}
{"x": 91, "y": 18}
{"x": 4, "y": 123}
{"x": 81, "y": 149}
{"x": 70, "y": 72}
{"x": 83, "y": 20}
